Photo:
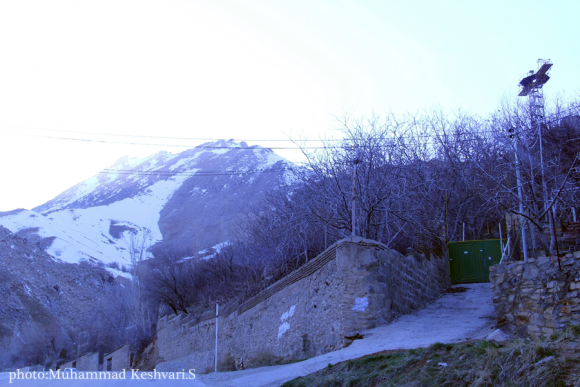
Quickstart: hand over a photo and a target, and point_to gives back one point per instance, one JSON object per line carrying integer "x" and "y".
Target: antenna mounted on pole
{"x": 532, "y": 86}
{"x": 537, "y": 80}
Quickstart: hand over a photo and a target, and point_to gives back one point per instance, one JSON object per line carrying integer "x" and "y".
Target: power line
{"x": 254, "y": 147}
{"x": 194, "y": 138}
{"x": 199, "y": 139}
{"x": 251, "y": 147}
{"x": 197, "y": 173}
{"x": 160, "y": 137}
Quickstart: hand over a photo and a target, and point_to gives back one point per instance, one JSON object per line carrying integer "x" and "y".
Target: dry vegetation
{"x": 552, "y": 361}
{"x": 419, "y": 179}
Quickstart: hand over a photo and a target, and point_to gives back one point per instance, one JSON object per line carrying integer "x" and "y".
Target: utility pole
{"x": 537, "y": 118}
{"x": 355, "y": 162}
{"x": 216, "y": 333}
{"x": 521, "y": 200}
{"x": 532, "y": 87}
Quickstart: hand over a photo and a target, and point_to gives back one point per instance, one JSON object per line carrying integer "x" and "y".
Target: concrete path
{"x": 454, "y": 317}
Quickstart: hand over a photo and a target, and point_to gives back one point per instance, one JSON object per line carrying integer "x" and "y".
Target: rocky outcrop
{"x": 36, "y": 288}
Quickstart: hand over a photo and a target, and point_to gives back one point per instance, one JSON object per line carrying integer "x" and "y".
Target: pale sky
{"x": 250, "y": 69}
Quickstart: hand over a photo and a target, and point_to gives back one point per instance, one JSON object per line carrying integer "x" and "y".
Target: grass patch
{"x": 553, "y": 361}
{"x": 440, "y": 346}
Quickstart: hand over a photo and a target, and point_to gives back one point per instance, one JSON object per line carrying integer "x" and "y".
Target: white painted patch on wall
{"x": 360, "y": 304}
{"x": 289, "y": 313}
{"x": 285, "y": 325}
{"x": 282, "y": 329}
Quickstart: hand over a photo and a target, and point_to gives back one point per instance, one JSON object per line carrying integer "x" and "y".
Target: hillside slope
{"x": 37, "y": 289}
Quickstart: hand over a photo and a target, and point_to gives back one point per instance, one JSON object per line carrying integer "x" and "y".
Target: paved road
{"x": 454, "y": 317}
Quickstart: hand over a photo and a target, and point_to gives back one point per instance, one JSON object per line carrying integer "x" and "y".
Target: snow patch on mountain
{"x": 194, "y": 197}
{"x": 184, "y": 163}
{"x": 85, "y": 233}
{"x": 108, "y": 183}
{"x": 211, "y": 252}
{"x": 119, "y": 273}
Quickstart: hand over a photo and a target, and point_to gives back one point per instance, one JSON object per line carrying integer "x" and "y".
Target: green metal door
{"x": 469, "y": 261}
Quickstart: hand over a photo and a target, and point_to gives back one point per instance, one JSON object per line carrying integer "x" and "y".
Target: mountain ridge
{"x": 191, "y": 199}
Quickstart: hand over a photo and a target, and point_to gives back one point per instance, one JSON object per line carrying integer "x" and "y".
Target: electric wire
{"x": 399, "y": 139}
{"x": 559, "y": 114}
{"x": 160, "y": 137}
{"x": 412, "y": 140}
{"x": 192, "y": 173}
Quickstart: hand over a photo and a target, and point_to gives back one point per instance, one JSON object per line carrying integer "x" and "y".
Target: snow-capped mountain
{"x": 190, "y": 199}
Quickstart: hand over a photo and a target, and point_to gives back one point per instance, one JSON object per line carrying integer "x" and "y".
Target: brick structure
{"x": 356, "y": 284}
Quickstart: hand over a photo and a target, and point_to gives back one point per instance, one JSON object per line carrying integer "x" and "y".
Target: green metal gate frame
{"x": 469, "y": 261}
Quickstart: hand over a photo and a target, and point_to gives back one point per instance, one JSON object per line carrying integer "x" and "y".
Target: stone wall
{"x": 536, "y": 298}
{"x": 356, "y": 284}
{"x": 88, "y": 362}
{"x": 120, "y": 359}
{"x": 67, "y": 365}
